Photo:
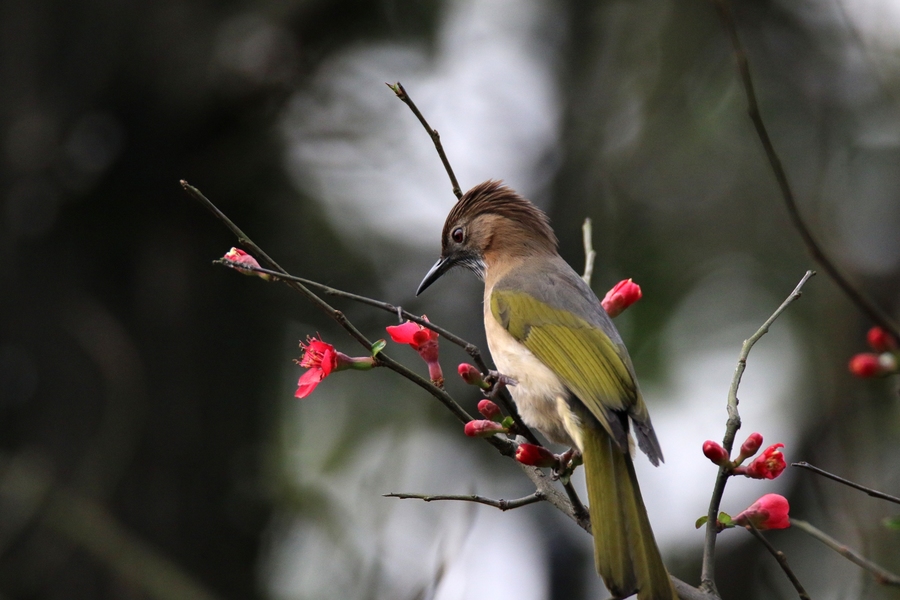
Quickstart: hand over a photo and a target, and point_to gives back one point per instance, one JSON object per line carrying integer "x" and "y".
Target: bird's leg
{"x": 497, "y": 381}
{"x": 568, "y": 462}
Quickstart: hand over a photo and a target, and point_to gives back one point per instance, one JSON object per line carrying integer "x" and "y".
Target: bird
{"x": 573, "y": 379}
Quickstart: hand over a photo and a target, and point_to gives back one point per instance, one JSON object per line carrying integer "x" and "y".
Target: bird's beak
{"x": 440, "y": 267}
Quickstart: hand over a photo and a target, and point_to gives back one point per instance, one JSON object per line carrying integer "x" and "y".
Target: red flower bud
{"x": 239, "y": 257}
{"x": 536, "y": 456}
{"x": 880, "y": 340}
{"x": 715, "y": 452}
{"x": 624, "y": 294}
{"x": 490, "y": 410}
{"x": 769, "y": 512}
{"x": 471, "y": 375}
{"x": 767, "y": 465}
{"x": 750, "y": 446}
{"x": 873, "y": 365}
{"x": 484, "y": 428}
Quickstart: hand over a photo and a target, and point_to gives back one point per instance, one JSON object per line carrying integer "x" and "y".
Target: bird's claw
{"x": 496, "y": 382}
{"x": 568, "y": 462}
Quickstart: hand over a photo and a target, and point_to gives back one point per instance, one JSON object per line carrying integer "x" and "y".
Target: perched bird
{"x": 574, "y": 380}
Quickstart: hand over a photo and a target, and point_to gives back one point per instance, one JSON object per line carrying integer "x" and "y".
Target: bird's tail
{"x": 625, "y": 550}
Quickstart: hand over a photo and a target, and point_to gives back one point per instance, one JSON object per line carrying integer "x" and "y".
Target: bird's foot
{"x": 496, "y": 382}
{"x": 568, "y": 462}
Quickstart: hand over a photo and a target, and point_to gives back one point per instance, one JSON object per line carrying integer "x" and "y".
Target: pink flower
{"x": 489, "y": 410}
{"x": 750, "y": 446}
{"x": 321, "y": 359}
{"x": 880, "y": 340}
{"x": 716, "y": 453}
{"x": 873, "y": 365}
{"x": 769, "y": 512}
{"x": 424, "y": 341}
{"x": 483, "y": 428}
{"x": 536, "y": 456}
{"x": 624, "y": 294}
{"x": 239, "y": 257}
{"x": 767, "y": 465}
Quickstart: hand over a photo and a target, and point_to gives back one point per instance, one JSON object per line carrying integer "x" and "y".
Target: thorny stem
{"x": 397, "y": 88}
{"x": 862, "y": 302}
{"x": 731, "y": 427}
{"x": 782, "y": 562}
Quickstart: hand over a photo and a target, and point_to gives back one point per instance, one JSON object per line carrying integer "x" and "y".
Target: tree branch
{"x": 707, "y": 575}
{"x": 881, "y": 575}
{"x": 815, "y": 249}
{"x": 397, "y": 88}
{"x": 471, "y": 349}
{"x": 782, "y": 562}
{"x": 847, "y": 482}
{"x": 501, "y": 504}
{"x": 589, "y": 254}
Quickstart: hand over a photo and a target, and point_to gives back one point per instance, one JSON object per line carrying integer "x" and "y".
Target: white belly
{"x": 539, "y": 394}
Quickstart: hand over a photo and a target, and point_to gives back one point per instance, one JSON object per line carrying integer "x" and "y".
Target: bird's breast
{"x": 539, "y": 394}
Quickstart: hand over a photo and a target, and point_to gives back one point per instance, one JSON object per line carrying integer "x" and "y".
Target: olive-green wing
{"x": 589, "y": 363}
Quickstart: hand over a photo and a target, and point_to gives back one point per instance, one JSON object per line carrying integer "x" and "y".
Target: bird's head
{"x": 490, "y": 223}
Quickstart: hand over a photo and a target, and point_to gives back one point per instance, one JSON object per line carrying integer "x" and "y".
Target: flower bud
{"x": 621, "y": 296}
{"x": 750, "y": 446}
{"x": 489, "y": 410}
{"x": 867, "y": 364}
{"x": 483, "y": 428}
{"x": 715, "y": 452}
{"x": 880, "y": 340}
{"x": 472, "y": 376}
{"x": 769, "y": 512}
{"x": 536, "y": 456}
{"x": 239, "y": 257}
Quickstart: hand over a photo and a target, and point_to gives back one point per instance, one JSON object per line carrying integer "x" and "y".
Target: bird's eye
{"x": 458, "y": 235}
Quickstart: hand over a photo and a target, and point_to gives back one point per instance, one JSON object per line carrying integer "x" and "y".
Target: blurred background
{"x": 150, "y": 443}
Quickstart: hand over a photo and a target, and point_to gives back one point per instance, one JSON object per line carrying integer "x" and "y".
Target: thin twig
{"x": 782, "y": 562}
{"x": 731, "y": 428}
{"x": 847, "y": 482}
{"x": 881, "y": 575}
{"x": 397, "y": 88}
{"x": 500, "y": 504}
{"x": 338, "y": 316}
{"x": 857, "y": 297}
{"x": 589, "y": 254}
{"x": 471, "y": 349}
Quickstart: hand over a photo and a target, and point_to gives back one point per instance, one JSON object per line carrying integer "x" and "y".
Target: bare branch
{"x": 881, "y": 575}
{"x": 731, "y": 428}
{"x": 847, "y": 482}
{"x": 397, "y": 88}
{"x": 782, "y": 562}
{"x": 471, "y": 349}
{"x": 856, "y": 296}
{"x": 382, "y": 359}
{"x": 500, "y": 504}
